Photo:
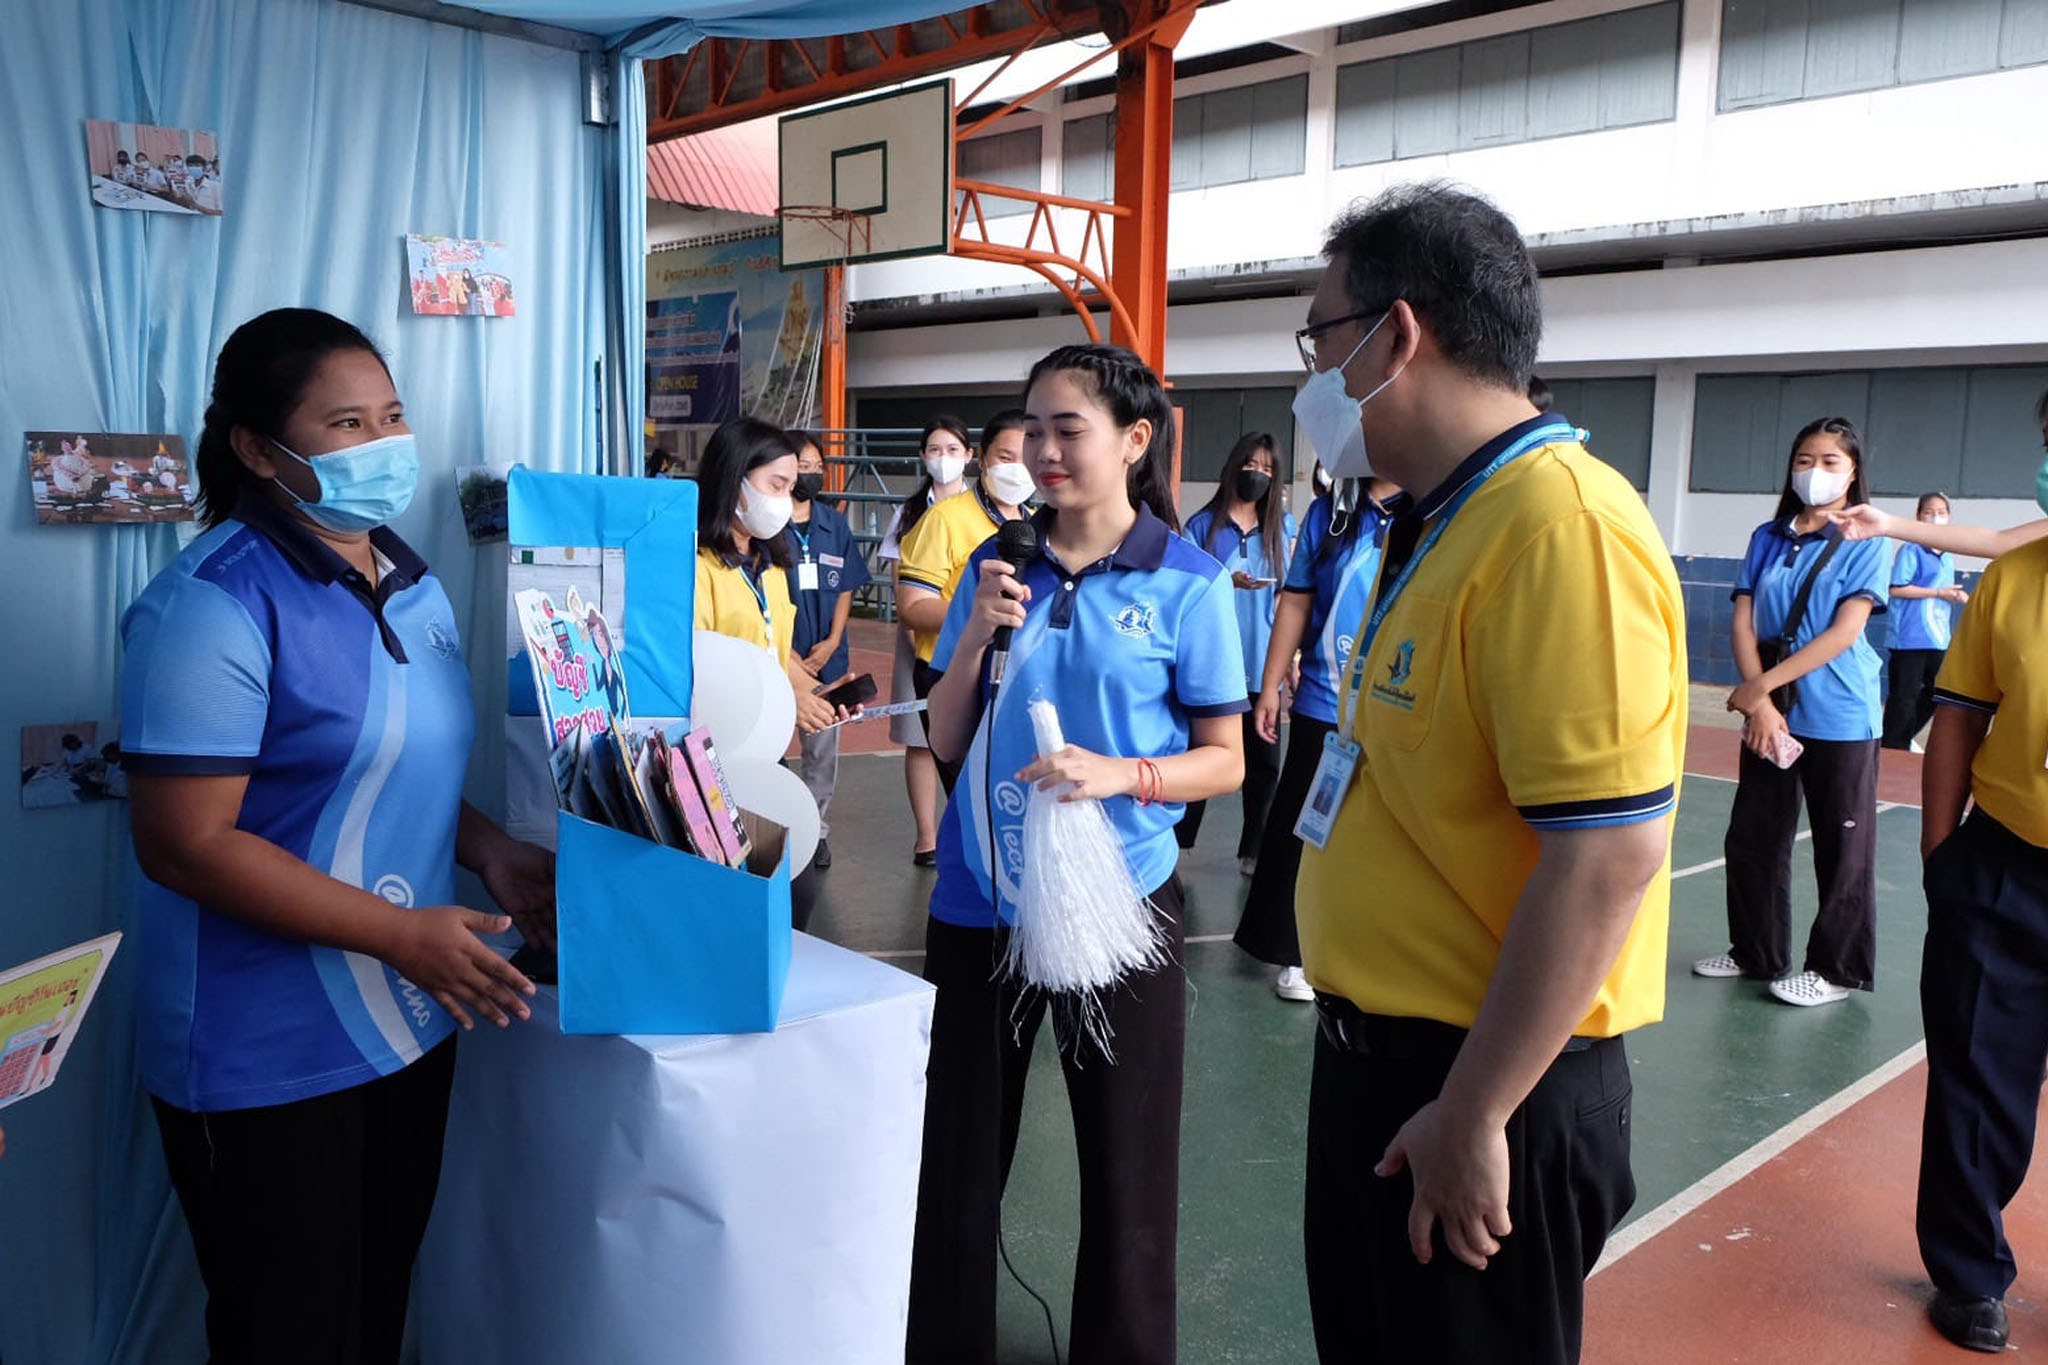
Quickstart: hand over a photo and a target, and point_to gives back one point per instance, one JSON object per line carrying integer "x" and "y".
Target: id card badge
{"x": 807, "y": 575}
{"x": 1326, "y": 792}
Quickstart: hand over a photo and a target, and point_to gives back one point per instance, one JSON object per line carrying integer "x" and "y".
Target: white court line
{"x": 1674, "y": 1209}
{"x": 1882, "y": 807}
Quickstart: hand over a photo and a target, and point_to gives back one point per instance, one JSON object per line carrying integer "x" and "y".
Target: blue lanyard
{"x": 761, "y": 596}
{"x": 803, "y": 539}
{"x": 1354, "y": 682}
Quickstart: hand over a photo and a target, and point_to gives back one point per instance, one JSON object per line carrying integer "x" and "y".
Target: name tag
{"x": 807, "y": 576}
{"x": 1326, "y": 792}
{"x": 833, "y": 561}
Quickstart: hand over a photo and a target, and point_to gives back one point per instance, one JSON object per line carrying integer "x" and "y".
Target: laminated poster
{"x": 41, "y": 1005}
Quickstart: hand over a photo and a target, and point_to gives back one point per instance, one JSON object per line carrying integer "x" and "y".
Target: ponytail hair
{"x": 1128, "y": 390}
{"x": 259, "y": 379}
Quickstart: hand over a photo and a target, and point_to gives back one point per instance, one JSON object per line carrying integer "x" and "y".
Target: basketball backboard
{"x": 868, "y": 180}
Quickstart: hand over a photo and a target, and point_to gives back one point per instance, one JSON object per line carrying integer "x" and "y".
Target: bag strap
{"x": 1797, "y": 616}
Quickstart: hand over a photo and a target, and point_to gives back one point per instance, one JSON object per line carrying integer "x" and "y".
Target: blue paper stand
{"x": 653, "y": 940}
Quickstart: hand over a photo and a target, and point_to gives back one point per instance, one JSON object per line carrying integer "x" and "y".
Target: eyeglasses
{"x": 1305, "y": 339}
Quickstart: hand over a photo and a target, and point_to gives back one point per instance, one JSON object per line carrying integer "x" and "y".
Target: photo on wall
{"x": 102, "y": 478}
{"x": 71, "y": 763}
{"x": 155, "y": 170}
{"x": 458, "y": 277}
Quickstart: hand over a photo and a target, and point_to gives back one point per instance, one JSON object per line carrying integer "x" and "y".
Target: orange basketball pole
{"x": 832, "y": 367}
{"x": 1144, "y": 176}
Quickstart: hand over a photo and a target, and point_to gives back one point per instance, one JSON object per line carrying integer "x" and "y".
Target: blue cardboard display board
{"x": 650, "y": 940}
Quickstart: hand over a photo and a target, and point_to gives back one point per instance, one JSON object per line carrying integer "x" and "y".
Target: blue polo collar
{"x": 1144, "y": 548}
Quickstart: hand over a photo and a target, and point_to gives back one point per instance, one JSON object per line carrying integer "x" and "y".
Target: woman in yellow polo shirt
{"x": 743, "y": 502}
{"x": 933, "y": 556}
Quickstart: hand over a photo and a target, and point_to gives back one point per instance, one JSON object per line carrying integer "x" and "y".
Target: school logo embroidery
{"x": 1134, "y": 620}
{"x": 1392, "y": 691}
{"x": 442, "y": 641}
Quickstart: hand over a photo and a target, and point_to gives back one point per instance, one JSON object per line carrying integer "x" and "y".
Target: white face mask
{"x": 1817, "y": 487}
{"x": 763, "y": 514}
{"x": 945, "y": 469}
{"x": 1008, "y": 484}
{"x": 1329, "y": 415}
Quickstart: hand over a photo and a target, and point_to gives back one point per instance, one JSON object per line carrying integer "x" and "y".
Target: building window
{"x": 1212, "y": 419}
{"x": 1616, "y": 415}
{"x": 1613, "y": 71}
{"x": 1088, "y": 158}
{"x": 1772, "y": 52}
{"x": 1968, "y": 430}
{"x": 1011, "y": 159}
{"x": 1246, "y": 132}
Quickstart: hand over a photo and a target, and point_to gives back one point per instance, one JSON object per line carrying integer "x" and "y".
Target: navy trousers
{"x": 1984, "y": 997}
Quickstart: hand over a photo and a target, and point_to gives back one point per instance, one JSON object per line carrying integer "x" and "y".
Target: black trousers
{"x": 1839, "y": 779}
{"x": 1910, "y": 704}
{"x": 1569, "y": 1185}
{"x": 1266, "y": 928}
{"x": 307, "y": 1217}
{"x": 1261, "y": 776}
{"x": 1984, "y": 997}
{"x": 1126, "y": 1137}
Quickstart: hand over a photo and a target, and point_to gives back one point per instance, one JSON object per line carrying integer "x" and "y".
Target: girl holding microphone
{"x": 1131, "y": 633}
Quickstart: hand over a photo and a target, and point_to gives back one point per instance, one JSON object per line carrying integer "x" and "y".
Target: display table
{"x": 742, "y": 1199}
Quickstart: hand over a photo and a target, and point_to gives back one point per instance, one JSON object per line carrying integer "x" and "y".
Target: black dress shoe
{"x": 823, "y": 859}
{"x": 928, "y": 857}
{"x": 1972, "y": 1323}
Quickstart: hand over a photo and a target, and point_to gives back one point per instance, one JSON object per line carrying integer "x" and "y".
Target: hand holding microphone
{"x": 1001, "y": 595}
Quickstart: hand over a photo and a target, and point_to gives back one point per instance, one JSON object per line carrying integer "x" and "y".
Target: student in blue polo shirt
{"x": 1924, "y": 599}
{"x": 296, "y": 725}
{"x": 826, "y": 568}
{"x": 1325, "y": 597}
{"x": 1130, "y": 632}
{"x": 1830, "y": 708}
{"x": 1248, "y": 529}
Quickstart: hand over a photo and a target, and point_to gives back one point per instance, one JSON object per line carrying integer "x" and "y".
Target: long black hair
{"x": 1272, "y": 516}
{"x": 1843, "y": 430}
{"x": 739, "y": 446}
{"x": 1127, "y": 388}
{"x": 259, "y": 378}
{"x": 918, "y": 501}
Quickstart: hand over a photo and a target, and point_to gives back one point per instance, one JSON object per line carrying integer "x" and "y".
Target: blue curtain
{"x": 341, "y": 128}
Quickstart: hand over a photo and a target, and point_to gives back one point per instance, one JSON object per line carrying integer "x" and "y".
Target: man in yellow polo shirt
{"x": 1488, "y": 914}
{"x": 1984, "y": 975}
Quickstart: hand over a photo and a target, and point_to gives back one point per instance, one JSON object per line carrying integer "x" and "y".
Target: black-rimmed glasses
{"x": 1305, "y": 339}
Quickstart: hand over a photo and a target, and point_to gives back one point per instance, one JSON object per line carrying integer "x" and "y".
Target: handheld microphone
{"x": 1017, "y": 543}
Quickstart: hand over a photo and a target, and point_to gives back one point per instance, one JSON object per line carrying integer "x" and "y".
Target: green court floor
{"x": 1726, "y": 1068}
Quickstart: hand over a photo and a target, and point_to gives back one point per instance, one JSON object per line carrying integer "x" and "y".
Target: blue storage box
{"x": 655, "y": 940}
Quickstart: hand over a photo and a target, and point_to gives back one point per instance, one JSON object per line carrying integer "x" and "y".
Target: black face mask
{"x": 1252, "y": 484}
{"x": 808, "y": 486}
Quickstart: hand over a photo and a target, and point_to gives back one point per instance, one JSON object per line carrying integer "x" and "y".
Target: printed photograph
{"x": 458, "y": 277}
{"x": 71, "y": 763}
{"x": 156, "y": 170}
{"x": 87, "y": 478}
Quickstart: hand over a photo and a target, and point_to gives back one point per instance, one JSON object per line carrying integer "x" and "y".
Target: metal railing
{"x": 881, "y": 465}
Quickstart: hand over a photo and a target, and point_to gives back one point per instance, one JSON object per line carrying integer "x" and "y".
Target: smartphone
{"x": 1785, "y": 752}
{"x": 852, "y": 691}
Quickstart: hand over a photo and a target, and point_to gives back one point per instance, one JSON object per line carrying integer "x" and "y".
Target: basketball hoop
{"x": 844, "y": 226}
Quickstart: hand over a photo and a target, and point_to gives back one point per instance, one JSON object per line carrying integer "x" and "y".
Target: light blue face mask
{"x": 361, "y": 487}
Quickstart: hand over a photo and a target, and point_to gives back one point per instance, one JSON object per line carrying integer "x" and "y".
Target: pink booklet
{"x": 718, "y": 798}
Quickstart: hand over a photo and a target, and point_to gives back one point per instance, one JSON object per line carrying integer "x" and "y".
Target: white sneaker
{"x": 1292, "y": 985}
{"x": 1720, "y": 964}
{"x": 1247, "y": 867}
{"x": 1915, "y": 746}
{"x": 1808, "y": 988}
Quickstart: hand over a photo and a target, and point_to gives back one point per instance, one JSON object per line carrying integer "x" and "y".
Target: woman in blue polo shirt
{"x": 1246, "y": 527}
{"x": 826, "y": 568}
{"x": 1131, "y": 634}
{"x": 1324, "y": 599}
{"x": 296, "y": 726}
{"x": 1924, "y": 599}
{"x": 1814, "y": 679}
